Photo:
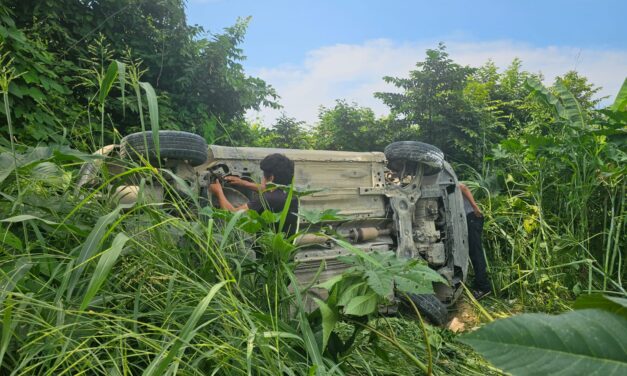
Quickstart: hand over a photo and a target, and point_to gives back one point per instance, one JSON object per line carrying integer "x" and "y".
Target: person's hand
{"x": 234, "y": 180}
{"x": 478, "y": 213}
{"x": 215, "y": 187}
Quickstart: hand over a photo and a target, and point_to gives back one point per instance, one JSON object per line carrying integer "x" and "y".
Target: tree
{"x": 287, "y": 133}
{"x": 38, "y": 96}
{"x": 349, "y": 127}
{"x": 432, "y": 107}
{"x": 510, "y": 99}
{"x": 198, "y": 77}
{"x": 583, "y": 90}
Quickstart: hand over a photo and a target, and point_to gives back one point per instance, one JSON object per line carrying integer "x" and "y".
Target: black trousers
{"x": 475, "y": 250}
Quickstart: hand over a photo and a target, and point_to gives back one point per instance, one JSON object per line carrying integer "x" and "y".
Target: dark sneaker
{"x": 480, "y": 294}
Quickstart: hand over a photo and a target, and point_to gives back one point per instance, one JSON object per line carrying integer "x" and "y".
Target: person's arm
{"x": 223, "y": 202}
{"x": 466, "y": 192}
{"x": 235, "y": 180}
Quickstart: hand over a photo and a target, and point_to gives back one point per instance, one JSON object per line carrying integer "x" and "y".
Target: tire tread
{"x": 431, "y": 307}
{"x": 176, "y": 145}
{"x": 415, "y": 151}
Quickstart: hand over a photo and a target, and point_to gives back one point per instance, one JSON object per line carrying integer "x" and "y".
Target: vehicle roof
{"x": 251, "y": 153}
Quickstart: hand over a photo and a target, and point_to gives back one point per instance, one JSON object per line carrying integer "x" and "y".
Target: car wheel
{"x": 174, "y": 145}
{"x": 429, "y": 307}
{"x": 401, "y": 152}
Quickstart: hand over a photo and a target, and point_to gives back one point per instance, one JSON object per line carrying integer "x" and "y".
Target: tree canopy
{"x": 198, "y": 76}
{"x": 432, "y": 106}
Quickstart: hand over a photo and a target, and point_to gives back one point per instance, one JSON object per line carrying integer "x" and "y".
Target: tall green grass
{"x": 555, "y": 205}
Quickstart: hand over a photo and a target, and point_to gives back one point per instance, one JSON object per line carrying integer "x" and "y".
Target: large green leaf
{"x": 7, "y": 238}
{"x": 362, "y": 305}
{"x": 328, "y": 284}
{"x": 9, "y": 281}
{"x": 311, "y": 345}
{"x": 122, "y": 81}
{"x": 50, "y": 174}
{"x": 542, "y": 93}
{"x": 419, "y": 280}
{"x": 585, "y": 342}
{"x": 317, "y": 216}
{"x": 358, "y": 252}
{"x": 8, "y": 325}
{"x": 330, "y": 317}
{"x": 381, "y": 283}
{"x": 572, "y": 110}
{"x": 620, "y": 103}
{"x": 8, "y": 163}
{"x": 350, "y": 291}
{"x": 607, "y": 303}
{"x": 286, "y": 206}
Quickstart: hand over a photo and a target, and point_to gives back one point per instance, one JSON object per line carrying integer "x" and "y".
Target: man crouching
{"x": 277, "y": 169}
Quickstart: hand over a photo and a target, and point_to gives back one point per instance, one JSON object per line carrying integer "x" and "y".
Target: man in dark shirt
{"x": 277, "y": 169}
{"x": 474, "y": 219}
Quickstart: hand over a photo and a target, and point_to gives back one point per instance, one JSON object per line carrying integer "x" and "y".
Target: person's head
{"x": 277, "y": 168}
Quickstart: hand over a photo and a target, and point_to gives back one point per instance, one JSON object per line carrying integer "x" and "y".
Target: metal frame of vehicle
{"x": 415, "y": 215}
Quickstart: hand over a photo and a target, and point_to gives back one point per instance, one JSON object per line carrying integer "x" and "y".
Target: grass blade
{"x": 27, "y": 217}
{"x": 7, "y": 284}
{"x": 7, "y": 327}
{"x": 229, "y": 228}
{"x": 107, "y": 82}
{"x": 311, "y": 345}
{"x": 122, "y": 82}
{"x": 91, "y": 245}
{"x": 103, "y": 268}
{"x": 153, "y": 113}
{"x": 159, "y": 364}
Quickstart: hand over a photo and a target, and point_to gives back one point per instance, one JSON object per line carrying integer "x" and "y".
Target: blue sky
{"x": 314, "y": 52}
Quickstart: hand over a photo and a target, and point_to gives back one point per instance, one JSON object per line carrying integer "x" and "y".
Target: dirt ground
{"x": 463, "y": 317}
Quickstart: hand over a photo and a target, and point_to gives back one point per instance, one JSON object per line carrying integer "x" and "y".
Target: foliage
{"x": 450, "y": 357}
{"x": 583, "y": 90}
{"x": 610, "y": 304}
{"x": 563, "y": 207}
{"x": 432, "y": 106}
{"x": 581, "y": 342}
{"x": 39, "y": 92}
{"x": 286, "y": 133}
{"x": 349, "y": 127}
{"x": 503, "y": 105}
{"x": 356, "y": 295}
{"x": 202, "y": 85}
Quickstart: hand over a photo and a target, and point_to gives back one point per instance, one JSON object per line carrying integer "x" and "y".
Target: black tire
{"x": 174, "y": 145}
{"x": 430, "y": 307}
{"x": 400, "y": 152}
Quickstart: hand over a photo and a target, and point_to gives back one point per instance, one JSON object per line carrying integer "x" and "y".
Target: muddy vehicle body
{"x": 405, "y": 200}
{"x": 414, "y": 209}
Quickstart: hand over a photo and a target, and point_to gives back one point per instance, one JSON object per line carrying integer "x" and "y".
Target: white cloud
{"x": 354, "y": 72}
